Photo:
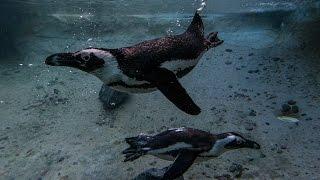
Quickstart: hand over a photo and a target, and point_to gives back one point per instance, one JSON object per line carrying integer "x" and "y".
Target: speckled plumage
{"x": 147, "y": 66}
{"x": 184, "y": 146}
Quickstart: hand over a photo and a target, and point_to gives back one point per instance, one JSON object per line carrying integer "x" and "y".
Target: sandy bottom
{"x": 53, "y": 125}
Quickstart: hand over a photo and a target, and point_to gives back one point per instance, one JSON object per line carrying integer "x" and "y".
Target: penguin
{"x": 147, "y": 66}
{"x": 184, "y": 146}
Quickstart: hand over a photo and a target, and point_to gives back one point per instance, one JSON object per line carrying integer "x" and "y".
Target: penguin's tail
{"x": 138, "y": 147}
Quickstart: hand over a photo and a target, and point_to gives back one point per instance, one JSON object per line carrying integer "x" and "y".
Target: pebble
{"x": 295, "y": 109}
{"x": 262, "y": 155}
{"x": 61, "y": 159}
{"x": 228, "y": 62}
{"x": 236, "y": 168}
{"x": 276, "y": 59}
{"x": 4, "y": 138}
{"x": 56, "y": 91}
{"x": 223, "y": 177}
{"x": 252, "y": 113}
{"x": 153, "y": 173}
{"x": 110, "y": 98}
{"x": 308, "y": 119}
{"x": 292, "y": 102}
{"x": 249, "y": 126}
{"x": 283, "y": 147}
{"x": 285, "y": 108}
{"x": 253, "y": 71}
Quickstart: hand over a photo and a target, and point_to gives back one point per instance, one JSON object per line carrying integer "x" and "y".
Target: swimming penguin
{"x": 147, "y": 66}
{"x": 184, "y": 146}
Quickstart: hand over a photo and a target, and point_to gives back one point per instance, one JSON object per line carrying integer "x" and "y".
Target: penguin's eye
{"x": 85, "y": 56}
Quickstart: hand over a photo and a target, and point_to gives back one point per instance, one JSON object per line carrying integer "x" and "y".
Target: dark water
{"x": 53, "y": 125}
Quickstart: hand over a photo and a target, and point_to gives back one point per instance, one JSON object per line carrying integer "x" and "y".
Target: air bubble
{"x": 202, "y": 5}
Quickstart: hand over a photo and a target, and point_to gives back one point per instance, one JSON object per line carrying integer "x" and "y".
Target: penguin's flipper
{"x": 167, "y": 82}
{"x": 181, "y": 164}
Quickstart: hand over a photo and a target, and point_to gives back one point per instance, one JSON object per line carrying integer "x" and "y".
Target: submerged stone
{"x": 110, "y": 98}
{"x": 154, "y": 174}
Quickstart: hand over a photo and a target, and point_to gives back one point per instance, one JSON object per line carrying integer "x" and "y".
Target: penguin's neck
{"x": 218, "y": 147}
{"x": 110, "y": 72}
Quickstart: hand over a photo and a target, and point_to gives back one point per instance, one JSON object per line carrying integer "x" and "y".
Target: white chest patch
{"x": 111, "y": 73}
{"x": 179, "y": 65}
{"x": 218, "y": 147}
{"x": 173, "y": 147}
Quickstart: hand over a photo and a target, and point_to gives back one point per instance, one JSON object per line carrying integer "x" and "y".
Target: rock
{"x": 283, "y": 147}
{"x": 279, "y": 151}
{"x": 228, "y": 62}
{"x": 153, "y": 174}
{"x": 236, "y": 169}
{"x": 56, "y": 91}
{"x": 295, "y": 109}
{"x": 61, "y": 159}
{"x": 275, "y": 59}
{"x": 262, "y": 155}
{"x": 252, "y": 113}
{"x": 223, "y": 177}
{"x": 249, "y": 126}
{"x": 285, "y": 108}
{"x": 4, "y": 138}
{"x": 253, "y": 71}
{"x": 110, "y": 98}
{"x": 292, "y": 102}
{"x": 308, "y": 119}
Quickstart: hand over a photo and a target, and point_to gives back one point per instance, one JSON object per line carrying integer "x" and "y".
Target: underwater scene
{"x": 159, "y": 89}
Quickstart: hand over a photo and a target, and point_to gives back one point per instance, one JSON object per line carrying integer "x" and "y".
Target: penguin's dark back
{"x": 152, "y": 53}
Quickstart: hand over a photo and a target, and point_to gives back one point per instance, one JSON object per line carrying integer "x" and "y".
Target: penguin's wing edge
{"x": 181, "y": 164}
{"x": 167, "y": 82}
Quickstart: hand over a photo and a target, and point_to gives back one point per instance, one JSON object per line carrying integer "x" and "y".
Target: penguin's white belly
{"x": 133, "y": 86}
{"x": 113, "y": 76}
{"x": 180, "y": 64}
{"x": 171, "y": 158}
{"x": 117, "y": 80}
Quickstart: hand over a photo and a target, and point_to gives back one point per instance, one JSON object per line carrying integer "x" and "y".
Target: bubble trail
{"x": 202, "y": 6}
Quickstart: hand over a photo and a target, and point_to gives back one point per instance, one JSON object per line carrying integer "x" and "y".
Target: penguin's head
{"x": 213, "y": 40}
{"x": 236, "y": 141}
{"x": 87, "y": 60}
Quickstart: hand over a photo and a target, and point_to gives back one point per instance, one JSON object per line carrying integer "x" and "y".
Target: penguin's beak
{"x": 252, "y": 144}
{"x": 62, "y": 59}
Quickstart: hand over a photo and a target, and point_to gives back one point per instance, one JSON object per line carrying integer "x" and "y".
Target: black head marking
{"x": 238, "y": 141}
{"x": 83, "y": 60}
